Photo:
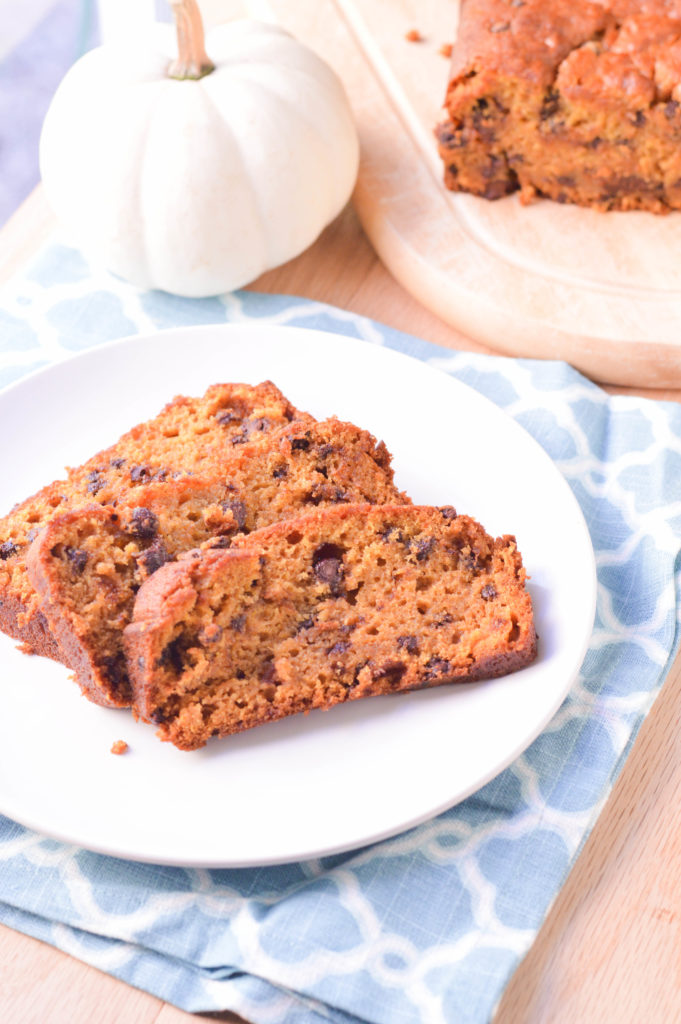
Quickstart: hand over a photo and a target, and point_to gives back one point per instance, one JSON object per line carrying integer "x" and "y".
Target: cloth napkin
{"x": 428, "y": 926}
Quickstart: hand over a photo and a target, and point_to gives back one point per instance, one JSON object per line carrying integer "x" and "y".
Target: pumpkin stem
{"x": 192, "y": 60}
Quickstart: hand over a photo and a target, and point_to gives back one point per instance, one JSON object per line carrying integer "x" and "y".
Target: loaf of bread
{"x": 88, "y": 563}
{"x": 189, "y": 436}
{"x": 576, "y": 101}
{"x": 342, "y": 603}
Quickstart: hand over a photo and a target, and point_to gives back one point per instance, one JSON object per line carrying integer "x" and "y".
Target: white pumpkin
{"x": 196, "y": 184}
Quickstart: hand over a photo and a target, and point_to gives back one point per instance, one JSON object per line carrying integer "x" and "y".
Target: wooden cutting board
{"x": 602, "y": 291}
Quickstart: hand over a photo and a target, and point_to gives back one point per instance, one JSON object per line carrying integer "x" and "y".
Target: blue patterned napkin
{"x": 428, "y": 926}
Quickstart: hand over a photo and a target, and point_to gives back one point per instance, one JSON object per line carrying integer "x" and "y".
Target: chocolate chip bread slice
{"x": 343, "y": 603}
{"x": 189, "y": 436}
{"x": 88, "y": 563}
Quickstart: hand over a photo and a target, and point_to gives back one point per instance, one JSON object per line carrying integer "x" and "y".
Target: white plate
{"x": 328, "y": 781}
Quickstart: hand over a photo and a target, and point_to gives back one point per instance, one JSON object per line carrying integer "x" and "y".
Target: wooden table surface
{"x": 610, "y": 948}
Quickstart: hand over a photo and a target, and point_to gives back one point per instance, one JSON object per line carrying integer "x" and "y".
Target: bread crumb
{"x": 119, "y": 747}
{"x": 413, "y": 36}
{"x": 446, "y": 49}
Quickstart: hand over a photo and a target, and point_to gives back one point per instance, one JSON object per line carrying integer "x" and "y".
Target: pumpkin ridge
{"x": 140, "y": 180}
{"x": 317, "y": 126}
{"x": 329, "y": 179}
{"x": 262, "y": 221}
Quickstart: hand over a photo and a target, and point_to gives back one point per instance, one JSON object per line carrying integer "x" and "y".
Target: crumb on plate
{"x": 413, "y": 36}
{"x": 119, "y": 747}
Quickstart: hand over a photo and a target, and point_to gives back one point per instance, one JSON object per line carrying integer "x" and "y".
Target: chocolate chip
{"x": 671, "y": 109}
{"x": 445, "y": 135}
{"x": 409, "y": 643}
{"x": 391, "y": 535}
{"x": 488, "y": 592}
{"x": 239, "y": 674}
{"x": 340, "y": 647}
{"x": 550, "y": 105}
{"x": 117, "y": 463}
{"x": 238, "y": 510}
{"x": 326, "y": 493}
{"x": 7, "y": 549}
{"x": 153, "y": 558}
{"x": 469, "y": 560}
{"x": 280, "y": 472}
{"x": 437, "y": 667}
{"x": 210, "y": 634}
{"x": 268, "y": 672}
{"x": 95, "y": 481}
{"x": 499, "y": 189}
{"x": 355, "y": 675}
{"x": 238, "y": 623}
{"x": 143, "y": 523}
{"x": 139, "y": 473}
{"x": 637, "y": 117}
{"x": 629, "y": 184}
{"x": 327, "y": 563}
{"x": 226, "y": 416}
{"x": 392, "y": 672}
{"x": 330, "y": 572}
{"x": 114, "y": 667}
{"x": 250, "y": 427}
{"x": 448, "y": 512}
{"x": 492, "y": 166}
{"x": 307, "y": 623}
{"x": 423, "y": 547}
{"x": 221, "y": 542}
{"x": 77, "y": 557}
{"x": 171, "y": 657}
{"x": 325, "y": 450}
{"x": 300, "y": 444}
{"x": 444, "y": 620}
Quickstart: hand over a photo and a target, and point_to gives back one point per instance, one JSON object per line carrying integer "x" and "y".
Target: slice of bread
{"x": 339, "y": 604}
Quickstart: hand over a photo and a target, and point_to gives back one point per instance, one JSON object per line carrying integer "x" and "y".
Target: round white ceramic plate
{"x": 328, "y": 781}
